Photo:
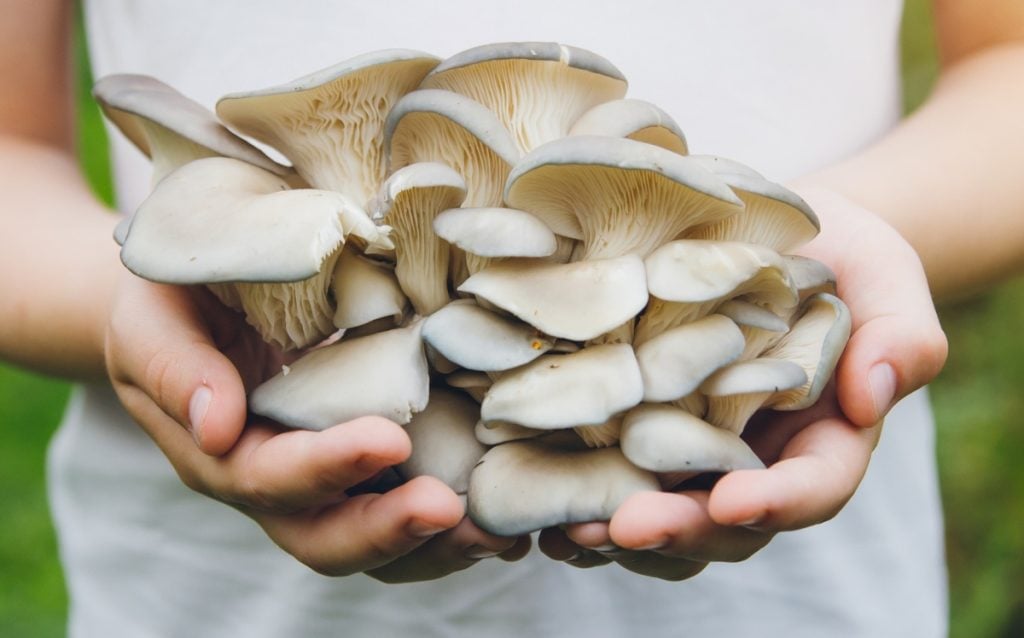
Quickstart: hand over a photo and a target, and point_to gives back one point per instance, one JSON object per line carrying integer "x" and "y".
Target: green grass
{"x": 977, "y": 400}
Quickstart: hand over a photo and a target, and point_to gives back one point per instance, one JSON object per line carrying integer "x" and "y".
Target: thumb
{"x": 159, "y": 350}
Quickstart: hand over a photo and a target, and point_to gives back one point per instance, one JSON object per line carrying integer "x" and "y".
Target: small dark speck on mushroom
{"x": 191, "y": 258}
{"x": 553, "y": 366}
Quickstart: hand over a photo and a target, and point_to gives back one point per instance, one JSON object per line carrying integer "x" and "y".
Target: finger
{"x": 819, "y": 471}
{"x": 289, "y": 471}
{"x": 897, "y": 344}
{"x": 518, "y": 551}
{"x": 679, "y": 526}
{"x": 367, "y": 531}
{"x": 453, "y": 550}
{"x": 158, "y": 343}
{"x": 659, "y": 566}
{"x": 555, "y": 544}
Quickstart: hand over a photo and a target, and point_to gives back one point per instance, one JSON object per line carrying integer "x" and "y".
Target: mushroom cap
{"x": 498, "y": 432}
{"x": 674, "y": 363}
{"x": 409, "y": 201}
{"x": 757, "y": 375}
{"x": 383, "y": 374}
{"x": 746, "y": 313}
{"x": 538, "y": 89}
{"x": 140, "y": 106}
{"x": 524, "y": 486}
{"x": 737, "y": 391}
{"x": 809, "y": 276}
{"x": 496, "y": 232}
{"x": 560, "y": 391}
{"x": 219, "y": 220}
{"x": 815, "y": 342}
{"x": 443, "y": 441}
{"x": 330, "y": 123}
{"x": 441, "y": 126}
{"x": 479, "y": 339}
{"x": 618, "y": 195}
{"x": 696, "y": 270}
{"x": 636, "y": 119}
{"x": 577, "y": 301}
{"x": 364, "y": 291}
{"x": 773, "y": 215}
{"x": 663, "y": 438}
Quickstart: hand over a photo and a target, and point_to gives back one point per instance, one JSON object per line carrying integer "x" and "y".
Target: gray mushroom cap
{"x": 330, "y": 123}
{"x": 443, "y": 441}
{"x": 473, "y": 383}
{"x": 674, "y": 363}
{"x": 663, "y": 438}
{"x": 364, "y": 291}
{"x": 498, "y": 432}
{"x": 383, "y": 374}
{"x": 168, "y": 127}
{"x": 222, "y": 221}
{"x": 479, "y": 339}
{"x": 560, "y": 391}
{"x": 815, "y": 342}
{"x": 619, "y": 196}
{"x": 431, "y": 125}
{"x": 636, "y": 119}
{"x": 773, "y": 215}
{"x": 809, "y": 276}
{"x": 496, "y": 232}
{"x": 538, "y": 89}
{"x": 737, "y": 391}
{"x": 524, "y": 486}
{"x": 410, "y": 199}
{"x": 690, "y": 278}
{"x": 576, "y": 301}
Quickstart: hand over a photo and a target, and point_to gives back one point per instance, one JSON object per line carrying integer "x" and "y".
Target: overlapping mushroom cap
{"x": 529, "y": 271}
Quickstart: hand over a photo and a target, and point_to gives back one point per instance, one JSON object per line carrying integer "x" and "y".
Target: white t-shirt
{"x": 785, "y": 86}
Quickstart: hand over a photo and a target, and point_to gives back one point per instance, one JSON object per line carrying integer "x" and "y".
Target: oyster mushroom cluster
{"x": 526, "y": 269}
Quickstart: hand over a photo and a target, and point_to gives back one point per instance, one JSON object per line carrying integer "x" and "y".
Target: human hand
{"x": 181, "y": 363}
{"x": 816, "y": 457}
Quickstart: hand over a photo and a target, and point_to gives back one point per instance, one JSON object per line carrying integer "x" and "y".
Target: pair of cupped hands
{"x": 181, "y": 365}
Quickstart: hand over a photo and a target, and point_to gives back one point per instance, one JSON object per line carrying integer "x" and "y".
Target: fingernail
{"x": 882, "y": 382}
{"x": 422, "y": 529}
{"x": 197, "y": 408}
{"x": 652, "y": 546}
{"x": 476, "y": 552}
{"x": 608, "y": 547}
{"x": 752, "y": 521}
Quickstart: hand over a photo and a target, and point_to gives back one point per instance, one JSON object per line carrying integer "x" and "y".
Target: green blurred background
{"x": 978, "y": 400}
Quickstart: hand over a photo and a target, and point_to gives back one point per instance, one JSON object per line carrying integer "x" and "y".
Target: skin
{"x": 180, "y": 364}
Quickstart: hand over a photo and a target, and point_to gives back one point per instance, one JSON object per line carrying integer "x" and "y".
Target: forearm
{"x": 58, "y": 262}
{"x": 948, "y": 178}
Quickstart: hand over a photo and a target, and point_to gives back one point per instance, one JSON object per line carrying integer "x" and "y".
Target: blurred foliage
{"x": 977, "y": 401}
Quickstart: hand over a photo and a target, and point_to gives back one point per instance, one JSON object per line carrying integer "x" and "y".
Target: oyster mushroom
{"x": 479, "y": 339}
{"x": 773, "y": 215}
{"x": 445, "y": 127}
{"x": 575, "y": 301}
{"x": 636, "y": 119}
{"x": 815, "y": 342}
{"x": 169, "y": 128}
{"x": 365, "y": 291}
{"x": 737, "y": 391}
{"x": 330, "y": 123}
{"x": 618, "y": 196}
{"x": 689, "y": 278}
{"x": 586, "y": 388}
{"x": 524, "y": 486}
{"x": 261, "y": 247}
{"x": 663, "y": 438}
{"x": 443, "y": 442}
{"x": 537, "y": 89}
{"x": 488, "y": 234}
{"x": 674, "y": 363}
{"x": 410, "y": 200}
{"x": 383, "y": 374}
